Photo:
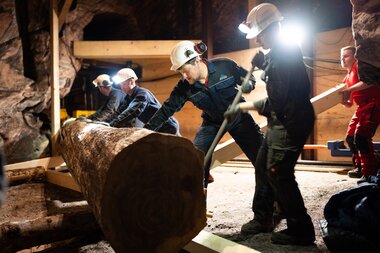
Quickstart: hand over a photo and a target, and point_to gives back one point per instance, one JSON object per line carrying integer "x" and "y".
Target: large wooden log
{"x": 145, "y": 188}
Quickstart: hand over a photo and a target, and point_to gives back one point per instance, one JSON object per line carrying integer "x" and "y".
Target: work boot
{"x": 363, "y": 179}
{"x": 254, "y": 227}
{"x": 284, "y": 237}
{"x": 355, "y": 173}
{"x": 210, "y": 179}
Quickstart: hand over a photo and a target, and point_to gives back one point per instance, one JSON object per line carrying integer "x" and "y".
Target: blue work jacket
{"x": 213, "y": 99}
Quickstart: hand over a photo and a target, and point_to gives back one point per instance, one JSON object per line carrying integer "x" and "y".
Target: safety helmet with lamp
{"x": 123, "y": 75}
{"x": 103, "y": 80}
{"x": 259, "y": 18}
{"x": 184, "y": 51}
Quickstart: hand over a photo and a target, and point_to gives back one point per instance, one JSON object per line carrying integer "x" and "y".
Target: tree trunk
{"x": 20, "y": 235}
{"x": 145, "y": 188}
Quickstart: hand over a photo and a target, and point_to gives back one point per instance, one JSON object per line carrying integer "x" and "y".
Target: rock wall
{"x": 366, "y": 31}
{"x": 25, "y": 101}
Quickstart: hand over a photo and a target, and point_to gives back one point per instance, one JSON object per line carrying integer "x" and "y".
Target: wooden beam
{"x": 62, "y": 14}
{"x": 131, "y": 49}
{"x": 206, "y": 242}
{"x": 229, "y": 149}
{"x": 327, "y": 99}
{"x": 54, "y": 74}
{"x": 47, "y": 163}
{"x": 62, "y": 179}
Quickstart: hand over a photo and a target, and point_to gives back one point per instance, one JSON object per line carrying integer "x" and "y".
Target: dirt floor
{"x": 229, "y": 199}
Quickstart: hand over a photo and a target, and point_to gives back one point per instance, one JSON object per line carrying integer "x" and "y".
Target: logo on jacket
{"x": 222, "y": 77}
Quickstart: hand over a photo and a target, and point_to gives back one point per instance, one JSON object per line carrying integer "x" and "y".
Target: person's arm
{"x": 133, "y": 110}
{"x": 173, "y": 104}
{"x": 109, "y": 108}
{"x": 247, "y": 87}
{"x": 347, "y": 93}
{"x": 261, "y": 106}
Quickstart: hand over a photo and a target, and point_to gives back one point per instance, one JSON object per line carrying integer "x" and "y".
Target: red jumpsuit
{"x": 364, "y": 122}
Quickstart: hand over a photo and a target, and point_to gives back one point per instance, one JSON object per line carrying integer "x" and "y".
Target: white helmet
{"x": 183, "y": 52}
{"x": 124, "y": 74}
{"x": 102, "y": 80}
{"x": 259, "y": 18}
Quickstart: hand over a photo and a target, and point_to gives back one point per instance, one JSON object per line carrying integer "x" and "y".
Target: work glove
{"x": 232, "y": 112}
{"x": 100, "y": 123}
{"x": 248, "y": 87}
{"x": 82, "y": 118}
{"x": 258, "y": 60}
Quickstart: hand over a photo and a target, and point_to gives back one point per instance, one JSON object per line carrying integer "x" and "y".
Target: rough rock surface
{"x": 366, "y": 31}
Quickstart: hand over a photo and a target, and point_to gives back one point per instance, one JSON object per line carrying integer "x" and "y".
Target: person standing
{"x": 115, "y": 98}
{"x": 139, "y": 105}
{"x": 366, "y": 119}
{"x": 290, "y": 118}
{"x": 211, "y": 85}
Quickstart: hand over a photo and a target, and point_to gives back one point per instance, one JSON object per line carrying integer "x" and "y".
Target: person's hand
{"x": 346, "y": 98}
{"x": 246, "y": 88}
{"x": 101, "y": 123}
{"x": 258, "y": 60}
{"x": 232, "y": 112}
{"x": 82, "y": 118}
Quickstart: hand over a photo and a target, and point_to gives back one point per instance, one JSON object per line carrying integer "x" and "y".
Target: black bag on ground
{"x": 352, "y": 220}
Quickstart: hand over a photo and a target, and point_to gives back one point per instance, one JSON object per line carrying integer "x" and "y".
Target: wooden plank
{"x": 49, "y": 162}
{"x": 54, "y": 74}
{"x": 229, "y": 149}
{"x": 206, "y": 242}
{"x": 62, "y": 179}
{"x": 130, "y": 49}
{"x": 327, "y": 99}
{"x": 62, "y": 14}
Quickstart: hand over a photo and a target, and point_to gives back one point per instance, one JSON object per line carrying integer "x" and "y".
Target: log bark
{"x": 20, "y": 235}
{"x": 20, "y": 176}
{"x": 145, "y": 188}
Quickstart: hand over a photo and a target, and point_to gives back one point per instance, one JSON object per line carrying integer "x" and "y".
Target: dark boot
{"x": 355, "y": 173}
{"x": 363, "y": 179}
{"x": 369, "y": 164}
{"x": 285, "y": 237}
{"x": 254, "y": 227}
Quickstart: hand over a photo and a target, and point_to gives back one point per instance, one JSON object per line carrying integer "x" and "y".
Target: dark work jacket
{"x": 288, "y": 89}
{"x": 141, "y": 105}
{"x": 114, "y": 100}
{"x": 213, "y": 99}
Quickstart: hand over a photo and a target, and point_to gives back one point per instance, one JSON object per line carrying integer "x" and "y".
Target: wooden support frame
{"x": 229, "y": 149}
{"x": 47, "y": 163}
{"x": 53, "y": 176}
{"x": 54, "y": 74}
{"x": 62, "y": 179}
{"x": 130, "y": 49}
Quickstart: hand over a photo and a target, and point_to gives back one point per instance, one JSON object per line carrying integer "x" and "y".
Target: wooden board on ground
{"x": 206, "y": 242}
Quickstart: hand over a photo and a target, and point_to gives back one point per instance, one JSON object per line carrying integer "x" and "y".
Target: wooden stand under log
{"x": 145, "y": 188}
